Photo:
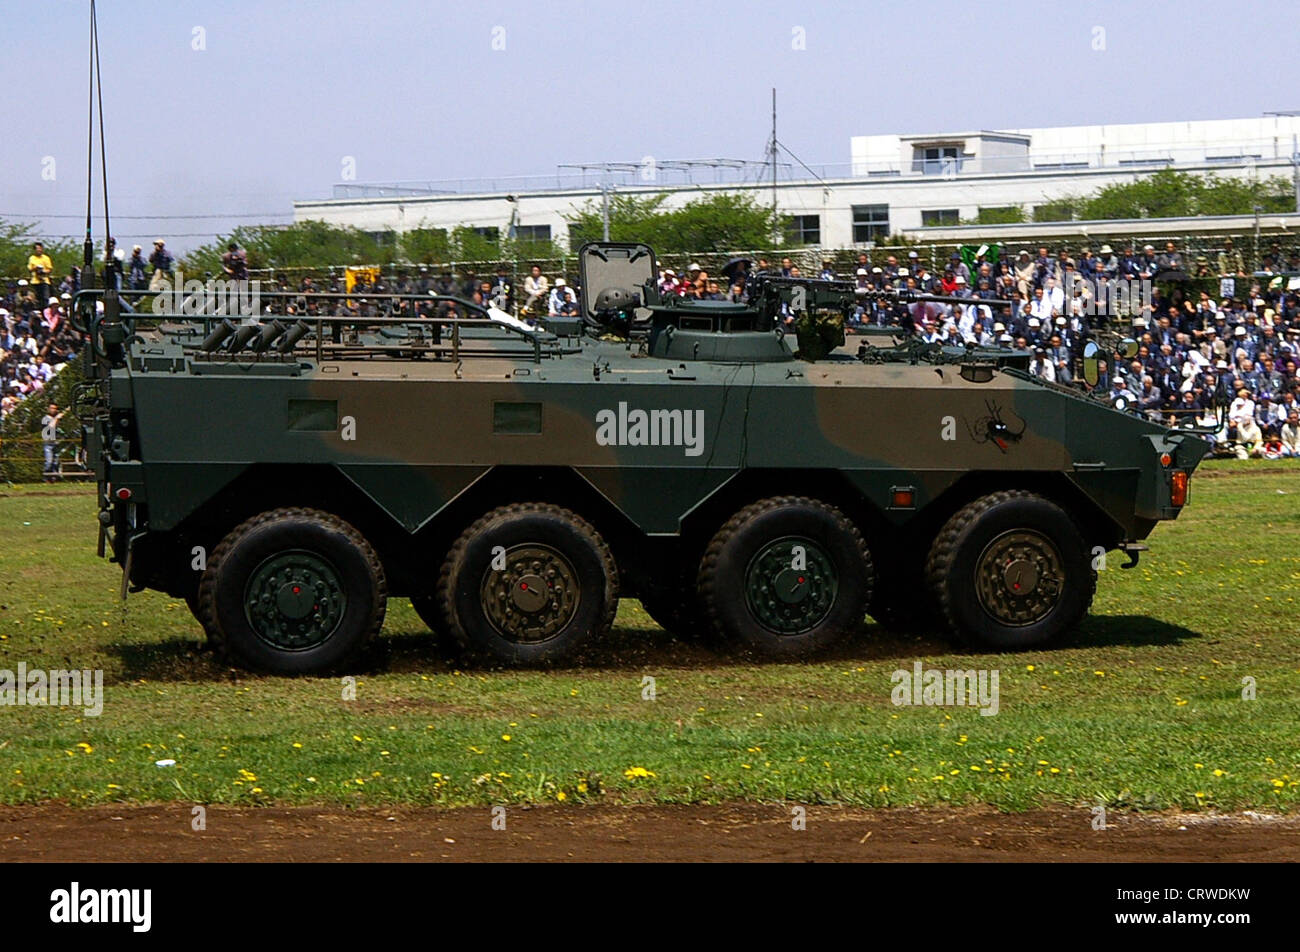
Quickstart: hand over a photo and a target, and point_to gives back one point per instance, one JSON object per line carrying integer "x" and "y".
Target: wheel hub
{"x": 294, "y": 600}
{"x": 1019, "y": 577}
{"x": 534, "y": 597}
{"x": 790, "y": 585}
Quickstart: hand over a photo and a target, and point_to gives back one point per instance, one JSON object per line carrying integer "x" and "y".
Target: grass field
{"x": 1143, "y": 710}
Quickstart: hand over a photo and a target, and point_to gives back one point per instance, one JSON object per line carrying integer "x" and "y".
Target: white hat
{"x": 999, "y": 326}
{"x": 1035, "y": 322}
{"x": 1240, "y": 331}
{"x": 862, "y": 271}
{"x": 902, "y": 272}
{"x": 559, "y": 282}
{"x": 1060, "y": 320}
{"x": 693, "y": 267}
{"x": 913, "y": 254}
{"x": 1005, "y": 338}
{"x": 670, "y": 271}
{"x": 960, "y": 279}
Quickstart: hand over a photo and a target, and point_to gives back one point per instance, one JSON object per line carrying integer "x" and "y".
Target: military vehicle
{"x": 739, "y": 468}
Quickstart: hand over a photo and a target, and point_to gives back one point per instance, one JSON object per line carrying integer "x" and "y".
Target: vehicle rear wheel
{"x": 529, "y": 583}
{"x": 786, "y": 576}
{"x": 293, "y": 591}
{"x": 1011, "y": 570}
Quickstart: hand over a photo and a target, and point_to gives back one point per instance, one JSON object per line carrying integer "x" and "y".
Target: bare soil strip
{"x": 739, "y": 832}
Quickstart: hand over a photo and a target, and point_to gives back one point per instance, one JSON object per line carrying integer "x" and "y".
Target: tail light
{"x": 1178, "y": 488}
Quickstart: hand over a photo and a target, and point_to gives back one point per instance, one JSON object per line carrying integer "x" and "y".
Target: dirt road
{"x": 732, "y": 832}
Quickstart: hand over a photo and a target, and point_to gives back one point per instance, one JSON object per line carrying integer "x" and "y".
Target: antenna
{"x": 95, "y": 100}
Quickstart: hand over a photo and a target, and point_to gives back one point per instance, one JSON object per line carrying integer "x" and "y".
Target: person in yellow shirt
{"x": 40, "y": 267}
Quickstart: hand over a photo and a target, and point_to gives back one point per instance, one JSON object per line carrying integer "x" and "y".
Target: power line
{"x": 160, "y": 217}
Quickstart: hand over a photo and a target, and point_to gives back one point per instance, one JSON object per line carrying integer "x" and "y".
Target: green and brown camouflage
{"x": 663, "y": 430}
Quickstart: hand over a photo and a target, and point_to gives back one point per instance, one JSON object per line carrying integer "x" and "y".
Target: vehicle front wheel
{"x": 1011, "y": 570}
{"x": 786, "y": 577}
{"x": 293, "y": 591}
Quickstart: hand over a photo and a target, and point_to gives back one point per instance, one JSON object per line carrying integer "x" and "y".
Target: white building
{"x": 912, "y": 184}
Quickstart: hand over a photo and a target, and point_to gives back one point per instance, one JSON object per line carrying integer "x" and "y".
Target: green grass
{"x": 1142, "y": 710}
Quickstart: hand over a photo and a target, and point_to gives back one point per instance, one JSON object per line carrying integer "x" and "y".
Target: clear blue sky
{"x": 285, "y": 89}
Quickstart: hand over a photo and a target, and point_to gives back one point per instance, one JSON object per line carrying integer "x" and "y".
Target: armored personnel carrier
{"x": 737, "y": 467}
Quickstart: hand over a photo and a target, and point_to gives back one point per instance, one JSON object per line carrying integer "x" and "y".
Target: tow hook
{"x": 1134, "y": 551}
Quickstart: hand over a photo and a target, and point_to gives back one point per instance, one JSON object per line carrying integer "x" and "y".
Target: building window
{"x": 1053, "y": 211}
{"x": 870, "y": 222}
{"x": 804, "y": 230}
{"x": 533, "y": 233}
{"x": 1000, "y": 215}
{"x": 936, "y": 160}
{"x": 492, "y": 234}
{"x": 930, "y": 217}
{"x": 387, "y": 239}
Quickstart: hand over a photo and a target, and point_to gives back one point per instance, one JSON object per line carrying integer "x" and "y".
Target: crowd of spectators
{"x": 36, "y": 339}
{"x": 1051, "y": 303}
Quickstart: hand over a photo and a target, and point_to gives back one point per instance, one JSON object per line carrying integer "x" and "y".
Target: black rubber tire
{"x": 723, "y": 567}
{"x": 426, "y": 606}
{"x": 221, "y": 590}
{"x": 196, "y": 609}
{"x": 950, "y": 570}
{"x": 461, "y": 579}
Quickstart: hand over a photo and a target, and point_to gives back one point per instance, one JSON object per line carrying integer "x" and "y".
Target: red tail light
{"x": 1178, "y": 488}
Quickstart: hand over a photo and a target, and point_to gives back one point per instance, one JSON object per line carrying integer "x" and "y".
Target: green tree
{"x": 16, "y": 240}
{"x": 304, "y": 244}
{"x": 1061, "y": 209}
{"x": 425, "y": 245}
{"x": 718, "y": 220}
{"x": 999, "y": 215}
{"x": 471, "y": 245}
{"x": 1170, "y": 194}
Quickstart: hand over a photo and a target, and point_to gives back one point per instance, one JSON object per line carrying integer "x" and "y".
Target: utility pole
{"x": 1295, "y": 171}
{"x": 604, "y": 208}
{"x": 776, "y": 224}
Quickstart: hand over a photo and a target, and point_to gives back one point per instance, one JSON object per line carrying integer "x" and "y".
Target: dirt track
{"x": 734, "y": 832}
